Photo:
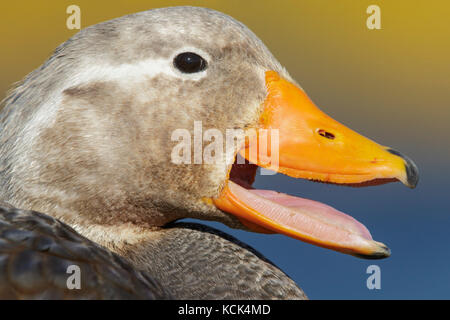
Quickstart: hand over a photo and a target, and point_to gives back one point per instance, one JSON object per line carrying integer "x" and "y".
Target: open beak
{"x": 296, "y": 138}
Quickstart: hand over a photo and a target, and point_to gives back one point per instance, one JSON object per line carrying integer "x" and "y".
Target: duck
{"x": 108, "y": 144}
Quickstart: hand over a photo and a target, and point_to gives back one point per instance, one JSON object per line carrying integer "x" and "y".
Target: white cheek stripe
{"x": 142, "y": 70}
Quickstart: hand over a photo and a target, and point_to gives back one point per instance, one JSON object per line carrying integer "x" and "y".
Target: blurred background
{"x": 391, "y": 85}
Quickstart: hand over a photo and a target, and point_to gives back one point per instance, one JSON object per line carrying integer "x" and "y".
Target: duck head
{"x": 90, "y": 137}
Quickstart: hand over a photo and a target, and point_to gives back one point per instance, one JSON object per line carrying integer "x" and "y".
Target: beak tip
{"x": 381, "y": 252}
{"x": 412, "y": 172}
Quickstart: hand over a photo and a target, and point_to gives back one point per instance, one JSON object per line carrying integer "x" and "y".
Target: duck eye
{"x": 189, "y": 62}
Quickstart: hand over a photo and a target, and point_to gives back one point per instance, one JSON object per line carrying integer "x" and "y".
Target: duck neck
{"x": 119, "y": 238}
{"x": 198, "y": 262}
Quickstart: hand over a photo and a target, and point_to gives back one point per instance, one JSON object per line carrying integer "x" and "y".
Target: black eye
{"x": 189, "y": 62}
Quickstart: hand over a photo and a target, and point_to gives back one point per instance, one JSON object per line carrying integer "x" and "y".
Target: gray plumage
{"x": 205, "y": 263}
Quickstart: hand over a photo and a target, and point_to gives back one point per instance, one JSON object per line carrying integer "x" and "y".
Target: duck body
{"x": 37, "y": 250}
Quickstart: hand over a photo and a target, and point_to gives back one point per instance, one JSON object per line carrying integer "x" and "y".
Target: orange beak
{"x": 299, "y": 140}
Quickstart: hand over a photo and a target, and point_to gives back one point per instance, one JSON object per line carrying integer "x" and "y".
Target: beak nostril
{"x": 326, "y": 134}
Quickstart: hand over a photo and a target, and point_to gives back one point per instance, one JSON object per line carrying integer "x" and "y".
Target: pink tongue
{"x": 316, "y": 210}
{"x": 308, "y": 217}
